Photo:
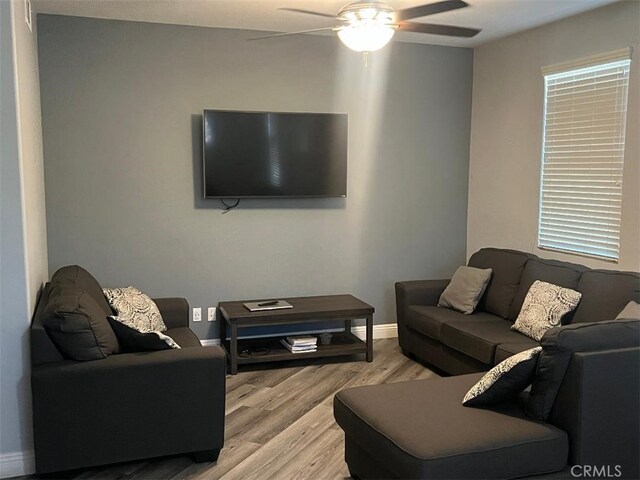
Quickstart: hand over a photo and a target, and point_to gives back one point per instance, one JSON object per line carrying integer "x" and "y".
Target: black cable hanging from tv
{"x": 229, "y": 207}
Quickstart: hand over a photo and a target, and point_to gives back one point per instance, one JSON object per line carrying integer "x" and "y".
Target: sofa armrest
{"x": 597, "y": 406}
{"x": 418, "y": 292}
{"x": 415, "y": 292}
{"x": 128, "y": 406}
{"x": 174, "y": 311}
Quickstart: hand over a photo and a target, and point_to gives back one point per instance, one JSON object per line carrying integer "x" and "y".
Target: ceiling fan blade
{"x": 286, "y": 34}
{"x": 308, "y": 12}
{"x": 434, "y": 29}
{"x": 429, "y": 9}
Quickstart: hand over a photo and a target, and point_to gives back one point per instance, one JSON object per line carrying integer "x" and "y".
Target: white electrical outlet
{"x": 197, "y": 314}
{"x": 211, "y": 314}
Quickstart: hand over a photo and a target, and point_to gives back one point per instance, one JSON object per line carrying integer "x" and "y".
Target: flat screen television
{"x": 274, "y": 154}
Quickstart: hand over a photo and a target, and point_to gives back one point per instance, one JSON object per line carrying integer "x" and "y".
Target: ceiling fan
{"x": 367, "y": 26}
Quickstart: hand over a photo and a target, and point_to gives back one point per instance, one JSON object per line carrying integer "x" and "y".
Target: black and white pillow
{"x": 136, "y": 311}
{"x": 504, "y": 381}
{"x": 131, "y": 340}
{"x": 543, "y": 308}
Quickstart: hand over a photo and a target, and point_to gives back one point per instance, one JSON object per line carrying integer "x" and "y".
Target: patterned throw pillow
{"x": 504, "y": 381}
{"x": 543, "y": 308}
{"x": 138, "y": 323}
{"x": 135, "y": 309}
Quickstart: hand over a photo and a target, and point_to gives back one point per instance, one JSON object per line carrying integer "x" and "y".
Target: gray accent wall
{"x": 121, "y": 105}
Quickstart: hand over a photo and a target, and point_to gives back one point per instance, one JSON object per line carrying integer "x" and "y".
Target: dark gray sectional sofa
{"x": 587, "y": 379}
{"x": 456, "y": 343}
{"x": 420, "y": 429}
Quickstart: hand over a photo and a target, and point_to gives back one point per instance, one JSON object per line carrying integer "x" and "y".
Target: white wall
{"x": 13, "y": 287}
{"x": 31, "y": 158}
{"x": 506, "y": 131}
{"x": 23, "y": 260}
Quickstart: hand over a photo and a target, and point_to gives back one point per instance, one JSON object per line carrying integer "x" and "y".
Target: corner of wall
{"x": 29, "y": 119}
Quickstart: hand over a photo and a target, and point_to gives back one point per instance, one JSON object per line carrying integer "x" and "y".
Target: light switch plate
{"x": 211, "y": 314}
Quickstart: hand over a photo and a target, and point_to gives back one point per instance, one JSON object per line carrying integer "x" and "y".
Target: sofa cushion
{"x": 429, "y": 320}
{"x": 563, "y": 274}
{"x": 478, "y": 339}
{"x": 77, "y": 325}
{"x": 79, "y": 278}
{"x": 505, "y": 350}
{"x": 507, "y": 267}
{"x": 421, "y": 430}
{"x": 558, "y": 344}
{"x": 605, "y": 293}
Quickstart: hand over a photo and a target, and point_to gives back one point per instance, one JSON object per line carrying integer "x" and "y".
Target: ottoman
{"x": 419, "y": 429}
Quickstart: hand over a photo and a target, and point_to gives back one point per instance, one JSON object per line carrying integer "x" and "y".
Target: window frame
{"x": 568, "y": 68}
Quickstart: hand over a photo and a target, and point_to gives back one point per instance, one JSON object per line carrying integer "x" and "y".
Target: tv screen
{"x": 262, "y": 154}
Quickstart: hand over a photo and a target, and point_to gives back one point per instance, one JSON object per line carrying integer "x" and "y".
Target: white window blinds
{"x": 582, "y": 159}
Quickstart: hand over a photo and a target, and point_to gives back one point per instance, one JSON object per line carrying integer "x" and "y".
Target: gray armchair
{"x": 127, "y": 406}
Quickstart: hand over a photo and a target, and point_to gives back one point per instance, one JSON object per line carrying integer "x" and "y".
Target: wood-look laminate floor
{"x": 279, "y": 421}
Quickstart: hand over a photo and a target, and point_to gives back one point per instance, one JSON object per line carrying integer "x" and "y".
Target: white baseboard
{"x": 386, "y": 330}
{"x": 15, "y": 464}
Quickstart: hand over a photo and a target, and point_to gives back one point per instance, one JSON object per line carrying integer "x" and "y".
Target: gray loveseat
{"x": 126, "y": 406}
{"x": 456, "y": 343}
{"x": 420, "y": 429}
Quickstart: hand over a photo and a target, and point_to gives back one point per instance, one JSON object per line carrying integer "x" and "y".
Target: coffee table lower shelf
{"x": 269, "y": 349}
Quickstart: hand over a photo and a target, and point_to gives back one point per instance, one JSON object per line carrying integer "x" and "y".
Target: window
{"x": 583, "y": 155}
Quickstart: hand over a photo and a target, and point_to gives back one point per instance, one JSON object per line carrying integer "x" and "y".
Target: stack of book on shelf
{"x": 301, "y": 344}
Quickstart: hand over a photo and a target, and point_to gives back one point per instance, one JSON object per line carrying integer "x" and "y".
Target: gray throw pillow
{"x": 465, "y": 289}
{"x": 632, "y": 310}
{"x": 543, "y": 308}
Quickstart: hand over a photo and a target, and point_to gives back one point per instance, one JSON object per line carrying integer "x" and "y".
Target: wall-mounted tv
{"x": 274, "y": 154}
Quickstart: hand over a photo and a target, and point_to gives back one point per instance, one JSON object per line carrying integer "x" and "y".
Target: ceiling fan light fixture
{"x": 367, "y": 37}
{"x": 368, "y": 26}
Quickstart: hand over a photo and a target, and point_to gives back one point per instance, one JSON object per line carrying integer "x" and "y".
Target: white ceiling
{"x": 496, "y": 18}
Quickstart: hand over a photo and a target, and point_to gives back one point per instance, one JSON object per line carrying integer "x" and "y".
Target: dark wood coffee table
{"x": 305, "y": 310}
